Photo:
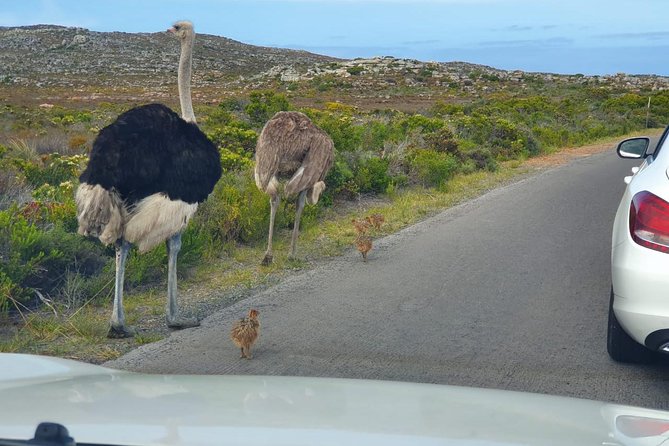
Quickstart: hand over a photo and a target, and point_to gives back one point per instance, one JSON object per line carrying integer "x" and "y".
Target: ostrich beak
{"x": 171, "y": 30}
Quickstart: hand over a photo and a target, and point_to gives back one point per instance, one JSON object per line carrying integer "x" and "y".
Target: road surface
{"x": 508, "y": 291}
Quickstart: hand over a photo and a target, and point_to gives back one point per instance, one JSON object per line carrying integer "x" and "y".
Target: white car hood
{"x": 99, "y": 405}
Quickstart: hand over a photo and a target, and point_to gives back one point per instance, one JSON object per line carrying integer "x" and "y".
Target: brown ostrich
{"x": 293, "y": 156}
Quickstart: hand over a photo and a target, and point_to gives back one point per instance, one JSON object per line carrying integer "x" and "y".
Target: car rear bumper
{"x": 641, "y": 291}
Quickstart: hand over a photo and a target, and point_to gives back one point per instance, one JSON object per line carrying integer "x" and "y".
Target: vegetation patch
{"x": 56, "y": 286}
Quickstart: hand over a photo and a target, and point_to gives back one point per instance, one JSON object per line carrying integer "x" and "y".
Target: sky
{"x": 555, "y": 36}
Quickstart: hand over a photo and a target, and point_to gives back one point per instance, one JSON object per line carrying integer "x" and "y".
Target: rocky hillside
{"x": 78, "y": 64}
{"x": 46, "y": 55}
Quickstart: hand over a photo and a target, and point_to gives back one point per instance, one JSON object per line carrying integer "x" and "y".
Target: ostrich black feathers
{"x": 150, "y": 149}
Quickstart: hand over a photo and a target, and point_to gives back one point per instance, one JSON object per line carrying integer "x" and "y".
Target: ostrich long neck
{"x": 184, "y": 77}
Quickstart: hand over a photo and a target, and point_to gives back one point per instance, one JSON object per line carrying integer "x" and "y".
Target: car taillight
{"x": 649, "y": 221}
{"x": 636, "y": 427}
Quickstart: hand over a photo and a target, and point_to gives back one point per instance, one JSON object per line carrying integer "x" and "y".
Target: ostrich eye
{"x": 177, "y": 27}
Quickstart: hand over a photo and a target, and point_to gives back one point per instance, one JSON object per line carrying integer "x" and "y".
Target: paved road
{"x": 507, "y": 291}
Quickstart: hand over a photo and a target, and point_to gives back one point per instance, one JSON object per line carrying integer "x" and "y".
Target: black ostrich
{"x": 147, "y": 172}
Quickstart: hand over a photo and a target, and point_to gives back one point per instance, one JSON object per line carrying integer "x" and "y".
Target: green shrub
{"x": 235, "y": 211}
{"x": 65, "y": 117}
{"x": 443, "y": 109}
{"x": 356, "y": 70}
{"x": 480, "y": 159}
{"x": 420, "y": 123}
{"x": 263, "y": 105}
{"x": 231, "y": 105}
{"x": 235, "y": 161}
{"x": 506, "y": 139}
{"x": 52, "y": 169}
{"x": 443, "y": 140}
{"x": 432, "y": 168}
{"x": 341, "y": 127}
{"x": 339, "y": 181}
{"x": 32, "y": 257}
{"x": 376, "y": 133}
{"x": 328, "y": 82}
{"x": 234, "y": 138}
{"x": 218, "y": 117}
{"x": 371, "y": 174}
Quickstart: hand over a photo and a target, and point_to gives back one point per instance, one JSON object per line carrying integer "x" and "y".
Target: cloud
{"x": 517, "y": 28}
{"x": 651, "y": 35}
{"x": 551, "y": 42}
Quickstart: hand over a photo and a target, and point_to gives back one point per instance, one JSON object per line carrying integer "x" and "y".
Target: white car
{"x": 639, "y": 306}
{"x": 95, "y": 405}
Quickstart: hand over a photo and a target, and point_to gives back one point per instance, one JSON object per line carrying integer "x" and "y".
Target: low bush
{"x": 235, "y": 211}
{"x": 371, "y": 174}
{"x": 433, "y": 169}
{"x": 339, "y": 181}
{"x": 51, "y": 169}
{"x": 263, "y": 105}
{"x": 33, "y": 257}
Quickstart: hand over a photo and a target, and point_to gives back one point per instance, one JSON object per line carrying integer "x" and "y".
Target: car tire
{"x": 621, "y": 347}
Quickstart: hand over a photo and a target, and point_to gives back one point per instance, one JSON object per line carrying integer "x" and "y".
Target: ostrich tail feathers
{"x": 155, "y": 219}
{"x": 266, "y": 182}
{"x": 100, "y": 213}
{"x": 315, "y": 192}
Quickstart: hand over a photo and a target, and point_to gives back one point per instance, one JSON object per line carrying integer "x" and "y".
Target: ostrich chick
{"x": 375, "y": 220}
{"x": 364, "y": 245}
{"x": 360, "y": 226}
{"x": 245, "y": 333}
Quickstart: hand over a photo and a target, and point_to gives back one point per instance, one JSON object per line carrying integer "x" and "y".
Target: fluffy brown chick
{"x": 245, "y": 332}
{"x": 375, "y": 220}
{"x": 361, "y": 226}
{"x": 364, "y": 245}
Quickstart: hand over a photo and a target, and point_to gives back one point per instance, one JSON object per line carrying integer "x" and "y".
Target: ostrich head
{"x": 253, "y": 314}
{"x": 182, "y": 29}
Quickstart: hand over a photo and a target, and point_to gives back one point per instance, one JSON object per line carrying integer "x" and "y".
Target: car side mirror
{"x": 633, "y": 147}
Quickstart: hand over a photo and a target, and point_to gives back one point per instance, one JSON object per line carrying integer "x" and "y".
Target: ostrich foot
{"x": 121, "y": 332}
{"x": 267, "y": 260}
{"x": 179, "y": 322}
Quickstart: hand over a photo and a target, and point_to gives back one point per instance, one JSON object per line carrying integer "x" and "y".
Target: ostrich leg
{"x": 274, "y": 205}
{"x": 174, "y": 320}
{"x": 118, "y": 328}
{"x": 296, "y": 227}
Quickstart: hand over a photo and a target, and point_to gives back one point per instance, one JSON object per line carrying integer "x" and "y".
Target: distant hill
{"x": 54, "y": 63}
{"x": 48, "y": 55}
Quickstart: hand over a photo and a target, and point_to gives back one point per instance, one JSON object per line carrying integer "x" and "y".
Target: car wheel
{"x": 621, "y": 347}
